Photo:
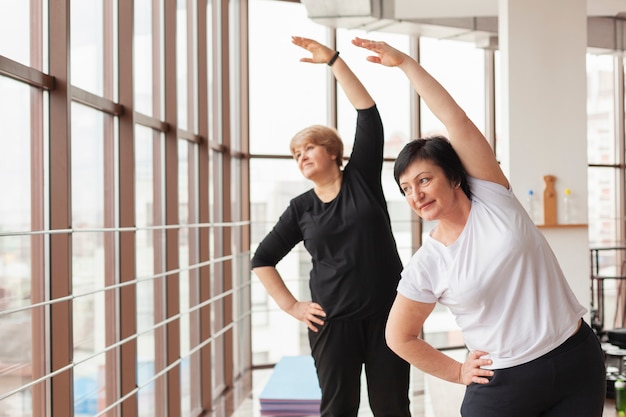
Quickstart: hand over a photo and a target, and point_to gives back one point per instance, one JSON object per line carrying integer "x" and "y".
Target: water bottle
{"x": 620, "y": 396}
{"x": 567, "y": 206}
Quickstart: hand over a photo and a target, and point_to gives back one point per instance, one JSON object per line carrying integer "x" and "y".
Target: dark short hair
{"x": 438, "y": 150}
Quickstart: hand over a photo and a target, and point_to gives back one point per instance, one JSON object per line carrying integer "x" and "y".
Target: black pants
{"x": 567, "y": 382}
{"x": 340, "y": 349}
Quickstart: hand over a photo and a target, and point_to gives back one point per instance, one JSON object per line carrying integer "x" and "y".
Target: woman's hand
{"x": 386, "y": 55}
{"x": 309, "y": 313}
{"x": 471, "y": 370}
{"x": 320, "y": 54}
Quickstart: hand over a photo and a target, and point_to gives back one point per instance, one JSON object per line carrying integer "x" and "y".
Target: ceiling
{"x": 428, "y": 9}
{"x": 466, "y": 20}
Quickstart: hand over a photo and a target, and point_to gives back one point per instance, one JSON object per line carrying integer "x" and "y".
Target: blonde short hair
{"x": 320, "y": 135}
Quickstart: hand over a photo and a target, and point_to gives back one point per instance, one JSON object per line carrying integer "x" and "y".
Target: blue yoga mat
{"x": 292, "y": 388}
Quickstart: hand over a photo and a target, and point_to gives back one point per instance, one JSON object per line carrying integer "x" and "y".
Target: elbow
{"x": 393, "y": 339}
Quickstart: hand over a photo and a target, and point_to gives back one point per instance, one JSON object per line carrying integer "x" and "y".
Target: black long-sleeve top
{"x": 355, "y": 262}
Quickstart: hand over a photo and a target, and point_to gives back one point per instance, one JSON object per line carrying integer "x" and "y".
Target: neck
{"x": 450, "y": 227}
{"x": 328, "y": 189}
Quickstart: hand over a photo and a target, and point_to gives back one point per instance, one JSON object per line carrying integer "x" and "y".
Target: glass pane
{"x": 16, "y": 283}
{"x": 185, "y": 386}
{"x": 184, "y": 276}
{"x": 88, "y": 256}
{"x": 603, "y": 217}
{"x": 182, "y": 68}
{"x": 87, "y": 45}
{"x": 148, "y": 214}
{"x": 16, "y": 357}
{"x": 145, "y": 375}
{"x": 600, "y": 111}
{"x": 212, "y": 88}
{"x": 87, "y": 205}
{"x": 15, "y": 31}
{"x": 400, "y": 214}
{"x": 142, "y": 57}
{"x": 234, "y": 46}
{"x": 89, "y": 383}
{"x": 607, "y": 310}
{"x": 293, "y": 93}
{"x": 442, "y": 59}
{"x": 388, "y": 86}
{"x": 15, "y": 157}
{"x": 275, "y": 333}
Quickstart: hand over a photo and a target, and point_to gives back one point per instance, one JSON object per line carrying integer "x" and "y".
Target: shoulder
{"x": 303, "y": 201}
{"x": 369, "y": 115}
{"x": 482, "y": 188}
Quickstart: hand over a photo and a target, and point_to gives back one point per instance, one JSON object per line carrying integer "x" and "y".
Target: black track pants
{"x": 340, "y": 349}
{"x": 569, "y": 381}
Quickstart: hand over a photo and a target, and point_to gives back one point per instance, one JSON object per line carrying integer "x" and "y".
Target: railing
{"x": 608, "y": 263}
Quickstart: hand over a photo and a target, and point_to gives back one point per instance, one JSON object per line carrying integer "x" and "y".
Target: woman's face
{"x": 313, "y": 160}
{"x": 428, "y": 191}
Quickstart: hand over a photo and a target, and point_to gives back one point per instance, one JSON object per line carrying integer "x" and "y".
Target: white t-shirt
{"x": 500, "y": 280}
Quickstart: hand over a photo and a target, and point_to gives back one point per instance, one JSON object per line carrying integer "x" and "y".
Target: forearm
{"x": 428, "y": 359}
{"x": 467, "y": 140}
{"x": 354, "y": 90}
{"x": 276, "y": 287}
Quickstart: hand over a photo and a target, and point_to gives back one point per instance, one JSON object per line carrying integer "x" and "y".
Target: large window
{"x": 303, "y": 99}
{"x": 606, "y": 209}
{"x": 121, "y": 198}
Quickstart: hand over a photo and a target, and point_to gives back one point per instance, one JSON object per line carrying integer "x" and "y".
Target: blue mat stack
{"x": 292, "y": 389}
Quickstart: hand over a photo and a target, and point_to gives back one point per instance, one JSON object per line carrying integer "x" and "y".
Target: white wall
{"x": 543, "y": 51}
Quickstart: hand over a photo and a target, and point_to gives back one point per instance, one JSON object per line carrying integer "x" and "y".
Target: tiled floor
{"x": 420, "y": 406}
{"x": 431, "y": 397}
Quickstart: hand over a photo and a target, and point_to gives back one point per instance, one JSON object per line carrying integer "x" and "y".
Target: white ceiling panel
{"x": 430, "y": 9}
{"x": 427, "y": 9}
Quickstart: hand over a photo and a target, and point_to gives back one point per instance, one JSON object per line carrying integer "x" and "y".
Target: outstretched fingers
{"x": 320, "y": 54}
{"x": 385, "y": 54}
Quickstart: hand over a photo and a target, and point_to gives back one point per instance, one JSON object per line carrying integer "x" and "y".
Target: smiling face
{"x": 429, "y": 192}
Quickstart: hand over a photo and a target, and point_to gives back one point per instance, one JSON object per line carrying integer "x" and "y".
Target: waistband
{"x": 574, "y": 340}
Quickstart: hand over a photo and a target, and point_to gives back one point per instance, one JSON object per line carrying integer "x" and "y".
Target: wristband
{"x": 333, "y": 59}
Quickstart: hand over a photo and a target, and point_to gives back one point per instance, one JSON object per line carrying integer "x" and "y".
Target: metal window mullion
{"x": 160, "y": 397}
{"x": 224, "y": 198}
{"x": 332, "y": 82}
{"x": 26, "y": 74}
{"x": 204, "y": 273}
{"x": 245, "y": 176}
{"x": 416, "y": 131}
{"x": 60, "y": 245}
{"x": 620, "y": 147}
{"x": 111, "y": 326}
{"x": 126, "y": 318}
{"x": 172, "y": 261}
{"x": 490, "y": 97}
{"x": 39, "y": 346}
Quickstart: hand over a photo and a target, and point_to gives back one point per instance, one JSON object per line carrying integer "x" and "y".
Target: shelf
{"x": 563, "y": 226}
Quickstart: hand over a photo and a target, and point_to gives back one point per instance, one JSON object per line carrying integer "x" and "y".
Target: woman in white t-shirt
{"x": 530, "y": 351}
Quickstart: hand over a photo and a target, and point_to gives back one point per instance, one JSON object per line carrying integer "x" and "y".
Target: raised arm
{"x": 352, "y": 87}
{"x": 467, "y": 140}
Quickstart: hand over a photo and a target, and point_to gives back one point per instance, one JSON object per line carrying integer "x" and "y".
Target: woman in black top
{"x": 344, "y": 224}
